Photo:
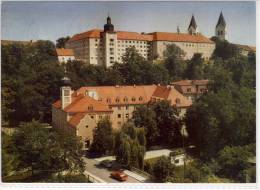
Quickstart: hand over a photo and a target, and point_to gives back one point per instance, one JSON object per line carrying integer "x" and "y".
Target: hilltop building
{"x": 221, "y": 29}
{"x": 192, "y": 89}
{"x": 79, "y": 111}
{"x": 65, "y": 55}
{"x": 104, "y": 47}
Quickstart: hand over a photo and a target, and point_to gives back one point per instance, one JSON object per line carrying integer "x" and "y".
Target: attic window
{"x": 90, "y": 108}
{"x": 140, "y": 98}
{"x": 177, "y": 101}
{"x": 117, "y": 100}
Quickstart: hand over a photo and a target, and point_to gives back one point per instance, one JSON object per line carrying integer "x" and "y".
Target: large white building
{"x": 104, "y": 47}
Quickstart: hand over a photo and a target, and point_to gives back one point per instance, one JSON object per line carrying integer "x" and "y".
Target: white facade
{"x": 65, "y": 59}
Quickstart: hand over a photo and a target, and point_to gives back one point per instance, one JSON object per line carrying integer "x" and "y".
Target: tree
{"x": 224, "y": 49}
{"x": 233, "y": 161}
{"x": 130, "y": 146}
{"x": 145, "y": 117}
{"x": 194, "y": 69}
{"x": 103, "y": 138}
{"x": 174, "y": 61}
{"x": 163, "y": 169}
{"x": 168, "y": 123}
{"x": 45, "y": 151}
{"x": 60, "y": 43}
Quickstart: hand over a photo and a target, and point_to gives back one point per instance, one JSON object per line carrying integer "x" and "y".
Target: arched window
{"x": 133, "y": 99}
{"x": 140, "y": 98}
{"x": 108, "y": 100}
{"x": 177, "y": 101}
{"x": 117, "y": 99}
{"x": 125, "y": 99}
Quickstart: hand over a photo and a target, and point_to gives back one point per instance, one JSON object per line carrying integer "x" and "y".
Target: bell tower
{"x": 65, "y": 91}
{"x": 221, "y": 30}
{"x": 193, "y": 28}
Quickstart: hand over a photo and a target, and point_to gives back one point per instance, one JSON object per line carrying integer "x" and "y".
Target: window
{"x": 66, "y": 92}
{"x": 133, "y": 99}
{"x": 177, "y": 101}
{"x": 189, "y": 90}
{"x": 86, "y": 126}
{"x": 87, "y": 143}
{"x": 92, "y": 116}
{"x": 108, "y": 100}
{"x": 118, "y": 115}
{"x": 176, "y": 161}
{"x": 117, "y": 100}
{"x": 140, "y": 98}
{"x": 127, "y": 115}
{"x": 125, "y": 99}
{"x": 111, "y": 40}
{"x": 90, "y": 108}
{"x": 126, "y": 107}
{"x": 100, "y": 117}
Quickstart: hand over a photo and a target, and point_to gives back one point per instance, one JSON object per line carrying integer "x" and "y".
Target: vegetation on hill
{"x": 220, "y": 123}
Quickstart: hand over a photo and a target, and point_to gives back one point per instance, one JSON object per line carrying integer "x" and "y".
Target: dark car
{"x": 119, "y": 175}
{"x": 106, "y": 163}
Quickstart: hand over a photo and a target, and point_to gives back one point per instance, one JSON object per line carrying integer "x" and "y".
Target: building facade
{"x": 104, "y": 47}
{"x": 79, "y": 111}
{"x": 65, "y": 55}
{"x": 192, "y": 89}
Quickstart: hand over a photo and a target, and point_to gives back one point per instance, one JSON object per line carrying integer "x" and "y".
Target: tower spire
{"x": 220, "y": 30}
{"x": 193, "y": 28}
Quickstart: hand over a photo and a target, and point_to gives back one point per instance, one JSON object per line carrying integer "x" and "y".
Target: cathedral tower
{"x": 193, "y": 28}
{"x": 221, "y": 28}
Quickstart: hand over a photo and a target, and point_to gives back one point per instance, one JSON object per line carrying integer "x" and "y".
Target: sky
{"x": 52, "y": 20}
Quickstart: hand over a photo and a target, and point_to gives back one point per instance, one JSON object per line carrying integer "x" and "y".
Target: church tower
{"x": 221, "y": 28}
{"x": 65, "y": 91}
{"x": 109, "y": 27}
{"x": 193, "y": 28}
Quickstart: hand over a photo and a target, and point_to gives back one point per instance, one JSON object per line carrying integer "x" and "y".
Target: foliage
{"x": 163, "y": 169}
{"x": 27, "y": 92}
{"x": 40, "y": 150}
{"x": 130, "y": 146}
{"x": 68, "y": 178}
{"x": 233, "y": 161}
{"x": 144, "y": 117}
{"x": 174, "y": 62}
{"x": 224, "y": 49}
{"x": 103, "y": 138}
{"x": 168, "y": 123}
{"x": 60, "y": 43}
{"x": 194, "y": 69}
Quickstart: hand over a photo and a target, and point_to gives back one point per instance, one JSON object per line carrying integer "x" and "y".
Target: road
{"x": 103, "y": 173}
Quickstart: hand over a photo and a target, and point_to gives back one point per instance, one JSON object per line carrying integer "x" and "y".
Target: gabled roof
{"x": 75, "y": 119}
{"x": 221, "y": 20}
{"x": 65, "y": 52}
{"x": 172, "y": 95}
{"x": 193, "y": 22}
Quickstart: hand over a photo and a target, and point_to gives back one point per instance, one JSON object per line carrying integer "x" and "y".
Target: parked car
{"x": 106, "y": 163}
{"x": 119, "y": 175}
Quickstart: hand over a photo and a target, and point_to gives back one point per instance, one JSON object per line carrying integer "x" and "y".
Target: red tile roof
{"x": 171, "y": 94}
{"x": 65, "y": 52}
{"x": 156, "y": 36}
{"x": 175, "y": 37}
{"x": 75, "y": 119}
